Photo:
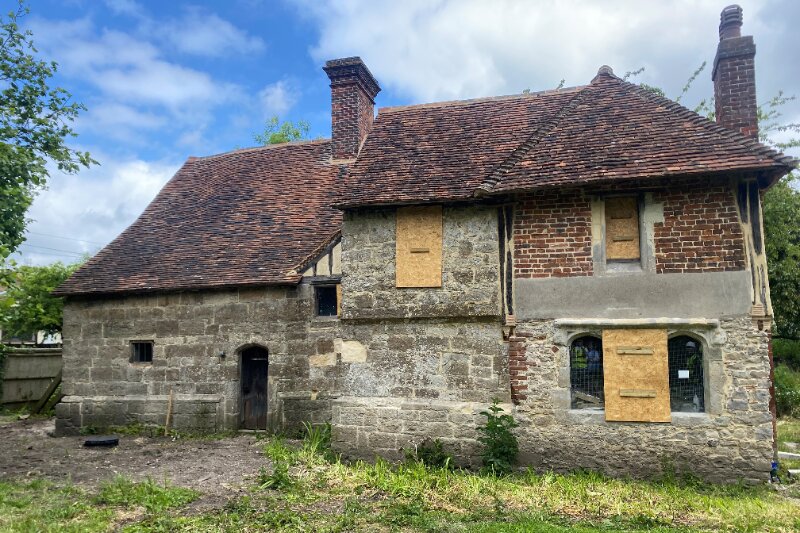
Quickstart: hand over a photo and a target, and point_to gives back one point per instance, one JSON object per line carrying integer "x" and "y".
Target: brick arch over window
{"x": 586, "y": 372}
{"x": 686, "y": 374}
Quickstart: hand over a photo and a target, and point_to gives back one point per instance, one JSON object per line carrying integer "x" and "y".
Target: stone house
{"x": 591, "y": 256}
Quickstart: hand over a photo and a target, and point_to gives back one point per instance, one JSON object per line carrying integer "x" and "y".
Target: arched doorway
{"x": 254, "y": 373}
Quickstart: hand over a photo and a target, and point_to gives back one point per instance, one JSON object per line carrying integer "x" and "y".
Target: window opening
{"x": 326, "y": 296}
{"x": 142, "y": 352}
{"x": 586, "y": 373}
{"x": 622, "y": 229}
{"x": 686, "y": 385}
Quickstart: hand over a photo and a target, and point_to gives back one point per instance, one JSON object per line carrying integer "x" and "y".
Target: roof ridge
{"x": 500, "y": 98}
{"x": 520, "y": 151}
{"x": 752, "y": 144}
{"x": 260, "y": 148}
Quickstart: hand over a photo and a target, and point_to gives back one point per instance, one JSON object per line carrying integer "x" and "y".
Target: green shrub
{"x": 787, "y": 391}
{"x": 500, "y": 444}
{"x": 430, "y": 453}
{"x": 786, "y": 352}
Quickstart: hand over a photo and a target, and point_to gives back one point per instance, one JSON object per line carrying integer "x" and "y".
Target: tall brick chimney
{"x": 353, "y": 91}
{"x": 734, "y": 75}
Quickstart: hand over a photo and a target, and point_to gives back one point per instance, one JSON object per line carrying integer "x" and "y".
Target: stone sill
{"x": 636, "y": 322}
{"x": 587, "y": 416}
{"x": 325, "y": 319}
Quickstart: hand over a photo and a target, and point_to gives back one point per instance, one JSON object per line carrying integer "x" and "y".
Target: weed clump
{"x": 431, "y": 453}
{"x": 279, "y": 479}
{"x": 500, "y": 444}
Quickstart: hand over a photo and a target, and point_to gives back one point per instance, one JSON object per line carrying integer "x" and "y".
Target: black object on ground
{"x": 104, "y": 440}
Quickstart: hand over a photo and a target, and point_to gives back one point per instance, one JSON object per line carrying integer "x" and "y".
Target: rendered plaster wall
{"x": 189, "y": 331}
{"x": 732, "y": 440}
{"x": 635, "y": 295}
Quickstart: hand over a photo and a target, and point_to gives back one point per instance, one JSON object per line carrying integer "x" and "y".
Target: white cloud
{"x": 125, "y": 7}
{"x": 206, "y": 34}
{"x": 277, "y": 98}
{"x": 448, "y": 49}
{"x": 80, "y": 213}
{"x": 135, "y": 88}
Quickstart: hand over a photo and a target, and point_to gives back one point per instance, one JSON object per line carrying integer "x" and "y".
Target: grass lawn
{"x": 308, "y": 490}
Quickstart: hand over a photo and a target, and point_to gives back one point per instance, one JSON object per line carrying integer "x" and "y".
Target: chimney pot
{"x": 730, "y": 22}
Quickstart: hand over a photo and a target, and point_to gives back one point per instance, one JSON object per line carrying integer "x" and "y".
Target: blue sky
{"x": 166, "y": 80}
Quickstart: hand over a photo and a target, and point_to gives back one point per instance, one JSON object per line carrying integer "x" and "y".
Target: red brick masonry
{"x": 553, "y": 235}
{"x": 701, "y": 231}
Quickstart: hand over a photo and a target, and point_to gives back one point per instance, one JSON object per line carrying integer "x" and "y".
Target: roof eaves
{"x": 754, "y": 145}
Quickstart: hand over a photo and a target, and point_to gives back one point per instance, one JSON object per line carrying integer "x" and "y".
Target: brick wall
{"x": 553, "y": 235}
{"x": 351, "y": 116}
{"x": 735, "y": 85}
{"x": 700, "y": 232}
{"x": 353, "y": 91}
{"x": 518, "y": 369}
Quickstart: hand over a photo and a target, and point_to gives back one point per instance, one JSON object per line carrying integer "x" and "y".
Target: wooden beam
{"x": 49, "y": 392}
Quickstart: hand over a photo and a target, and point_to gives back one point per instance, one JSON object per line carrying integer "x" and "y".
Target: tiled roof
{"x": 436, "y": 151}
{"x": 606, "y": 131}
{"x": 247, "y": 217}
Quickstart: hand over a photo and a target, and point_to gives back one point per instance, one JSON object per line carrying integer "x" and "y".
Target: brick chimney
{"x": 353, "y": 91}
{"x": 734, "y": 75}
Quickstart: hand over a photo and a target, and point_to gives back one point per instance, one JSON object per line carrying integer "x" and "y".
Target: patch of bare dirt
{"x": 219, "y": 469}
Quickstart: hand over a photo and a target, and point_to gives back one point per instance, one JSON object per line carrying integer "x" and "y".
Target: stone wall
{"x": 365, "y": 428}
{"x": 732, "y": 440}
{"x": 470, "y": 267}
{"x": 430, "y": 359}
{"x": 189, "y": 332}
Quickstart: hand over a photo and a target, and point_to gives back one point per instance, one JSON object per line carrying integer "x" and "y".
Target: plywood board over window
{"x": 419, "y": 247}
{"x": 636, "y": 375}
{"x": 622, "y": 228}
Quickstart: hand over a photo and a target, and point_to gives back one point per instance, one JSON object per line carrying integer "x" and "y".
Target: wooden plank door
{"x": 255, "y": 370}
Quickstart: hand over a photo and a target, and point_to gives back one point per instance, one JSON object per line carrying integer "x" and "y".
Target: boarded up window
{"x": 419, "y": 247}
{"x": 622, "y": 228}
{"x": 636, "y": 375}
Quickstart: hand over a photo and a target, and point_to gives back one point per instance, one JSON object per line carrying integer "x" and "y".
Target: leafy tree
{"x": 28, "y": 305}
{"x": 782, "y": 238}
{"x": 277, "y": 132}
{"x": 35, "y": 123}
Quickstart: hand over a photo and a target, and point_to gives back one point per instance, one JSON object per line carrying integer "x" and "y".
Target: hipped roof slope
{"x": 609, "y": 130}
{"x": 247, "y": 217}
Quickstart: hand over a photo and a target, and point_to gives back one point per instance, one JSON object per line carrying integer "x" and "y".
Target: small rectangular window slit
{"x": 420, "y": 250}
{"x": 637, "y": 393}
{"x": 634, "y": 350}
{"x": 141, "y": 352}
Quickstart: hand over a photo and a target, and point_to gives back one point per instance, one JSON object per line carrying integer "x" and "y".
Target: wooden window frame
{"x": 338, "y": 289}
